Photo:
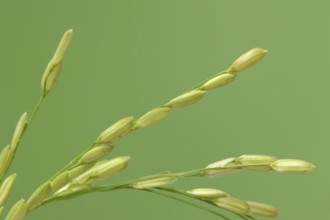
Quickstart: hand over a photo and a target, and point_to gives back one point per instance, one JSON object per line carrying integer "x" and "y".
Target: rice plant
{"x": 83, "y": 173}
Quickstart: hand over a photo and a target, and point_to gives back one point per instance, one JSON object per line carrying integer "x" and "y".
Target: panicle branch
{"x": 79, "y": 176}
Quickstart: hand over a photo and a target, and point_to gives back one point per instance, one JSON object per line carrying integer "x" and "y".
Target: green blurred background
{"x": 128, "y": 56}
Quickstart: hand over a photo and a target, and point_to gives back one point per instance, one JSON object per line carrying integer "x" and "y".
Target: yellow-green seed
{"x": 50, "y": 76}
{"x": 60, "y": 181}
{"x": 79, "y": 170}
{"x": 18, "y": 211}
{"x": 38, "y": 196}
{"x": 111, "y": 167}
{"x": 96, "y": 153}
{"x": 154, "y": 182}
{"x": 54, "y": 66}
{"x": 18, "y": 131}
{"x": 207, "y": 193}
{"x": 218, "y": 81}
{"x": 6, "y": 188}
{"x": 116, "y": 131}
{"x": 258, "y": 162}
{"x": 5, "y": 159}
{"x": 233, "y": 204}
{"x": 255, "y": 159}
{"x": 247, "y": 59}
{"x": 262, "y": 209}
{"x": 186, "y": 99}
{"x": 63, "y": 46}
{"x": 292, "y": 165}
{"x": 222, "y": 165}
{"x": 152, "y": 117}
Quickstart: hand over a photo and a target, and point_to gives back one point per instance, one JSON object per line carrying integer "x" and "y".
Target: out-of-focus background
{"x": 129, "y": 56}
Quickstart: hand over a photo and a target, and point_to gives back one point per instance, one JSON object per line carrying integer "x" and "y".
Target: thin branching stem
{"x": 204, "y": 81}
{"x": 30, "y": 119}
{"x": 72, "y": 163}
{"x": 184, "y": 193}
{"x": 36, "y": 109}
{"x": 186, "y": 202}
{"x": 129, "y": 184}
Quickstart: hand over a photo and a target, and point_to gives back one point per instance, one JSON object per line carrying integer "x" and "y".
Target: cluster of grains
{"x": 258, "y": 163}
{"x": 88, "y": 167}
{"x": 224, "y": 200}
{"x": 19, "y": 210}
{"x": 54, "y": 66}
{"x": 6, "y": 157}
{"x": 230, "y": 165}
{"x": 221, "y": 79}
{"x": 104, "y": 142}
{"x": 84, "y": 171}
{"x": 76, "y": 179}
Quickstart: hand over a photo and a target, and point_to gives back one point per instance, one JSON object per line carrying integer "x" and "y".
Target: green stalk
{"x": 36, "y": 109}
{"x": 184, "y": 193}
{"x": 187, "y": 203}
{"x": 72, "y": 164}
{"x": 30, "y": 119}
